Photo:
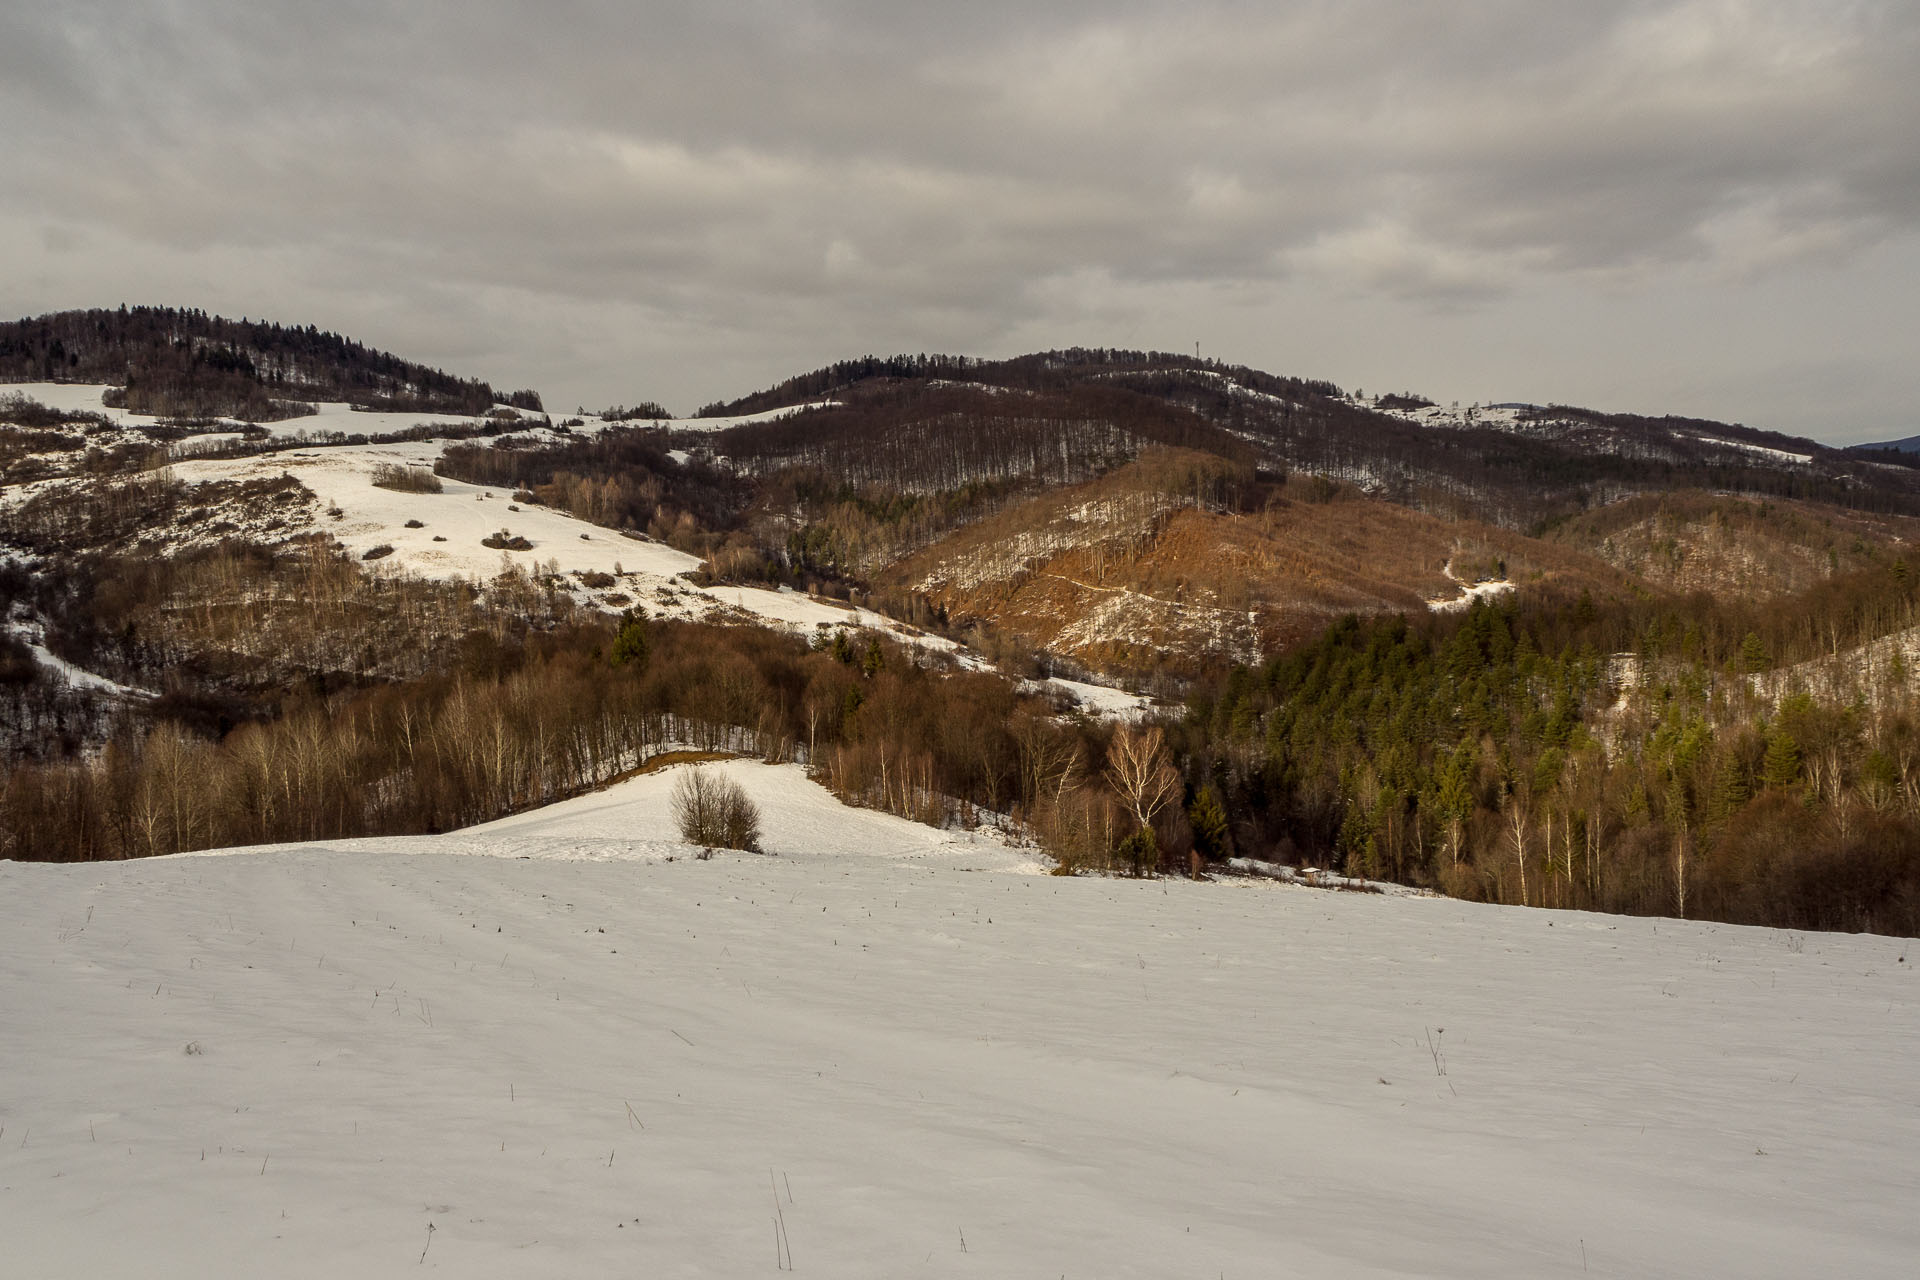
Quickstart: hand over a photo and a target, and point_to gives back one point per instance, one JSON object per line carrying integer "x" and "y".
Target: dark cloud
{"x": 685, "y": 200}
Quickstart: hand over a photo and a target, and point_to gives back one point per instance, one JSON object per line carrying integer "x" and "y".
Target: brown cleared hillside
{"x": 1143, "y": 569}
{"x": 1730, "y": 546}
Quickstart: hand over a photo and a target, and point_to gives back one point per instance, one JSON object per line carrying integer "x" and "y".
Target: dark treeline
{"x": 1574, "y": 461}
{"x": 1902, "y": 454}
{"x": 24, "y": 411}
{"x": 823, "y": 382}
{"x": 933, "y": 439}
{"x": 1562, "y": 461}
{"x": 1633, "y": 757}
{"x": 186, "y": 363}
{"x": 254, "y": 442}
{"x": 651, "y": 410}
{"x": 1041, "y": 371}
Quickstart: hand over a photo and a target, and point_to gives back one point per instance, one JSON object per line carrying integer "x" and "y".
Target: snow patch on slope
{"x": 715, "y": 425}
{"x": 34, "y": 637}
{"x": 1469, "y": 592}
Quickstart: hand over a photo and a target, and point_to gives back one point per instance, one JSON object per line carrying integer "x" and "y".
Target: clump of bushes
{"x": 715, "y": 812}
{"x": 506, "y": 541}
{"x": 376, "y": 553}
{"x": 405, "y": 479}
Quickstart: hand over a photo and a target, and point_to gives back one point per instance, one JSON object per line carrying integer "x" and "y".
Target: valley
{"x": 1102, "y": 642}
{"x": 1513, "y": 653}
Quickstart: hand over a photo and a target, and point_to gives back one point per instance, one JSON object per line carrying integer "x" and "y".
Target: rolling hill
{"x": 566, "y": 1044}
{"x": 1517, "y": 653}
{"x": 187, "y": 364}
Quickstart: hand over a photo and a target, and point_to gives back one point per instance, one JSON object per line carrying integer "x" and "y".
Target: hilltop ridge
{"x": 184, "y": 363}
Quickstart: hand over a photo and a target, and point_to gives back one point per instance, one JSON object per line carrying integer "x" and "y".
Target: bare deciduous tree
{"x": 714, "y": 811}
{"x": 1517, "y": 816}
{"x": 1140, "y": 772}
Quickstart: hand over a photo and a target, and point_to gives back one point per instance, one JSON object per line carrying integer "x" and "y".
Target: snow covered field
{"x": 889, "y": 1051}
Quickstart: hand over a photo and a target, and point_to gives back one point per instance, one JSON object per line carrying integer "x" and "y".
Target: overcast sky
{"x": 1708, "y": 207}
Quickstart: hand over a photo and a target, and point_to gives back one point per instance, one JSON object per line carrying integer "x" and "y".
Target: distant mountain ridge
{"x": 1126, "y": 510}
{"x": 184, "y": 363}
{"x": 1906, "y": 444}
{"x": 1521, "y": 466}
{"x": 1515, "y": 652}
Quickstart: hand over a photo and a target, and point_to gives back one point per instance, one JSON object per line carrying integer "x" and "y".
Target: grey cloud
{"x": 766, "y": 176}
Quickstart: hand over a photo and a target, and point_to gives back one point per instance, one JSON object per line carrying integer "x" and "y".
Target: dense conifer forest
{"x": 178, "y": 363}
{"x": 1628, "y": 759}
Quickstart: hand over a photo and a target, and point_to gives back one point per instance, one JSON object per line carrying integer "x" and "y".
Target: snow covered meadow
{"x": 440, "y": 534}
{"x": 562, "y": 1044}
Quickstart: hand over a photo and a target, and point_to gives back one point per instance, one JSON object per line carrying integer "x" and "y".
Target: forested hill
{"x": 1040, "y": 371}
{"x": 1519, "y": 466}
{"x": 185, "y": 363}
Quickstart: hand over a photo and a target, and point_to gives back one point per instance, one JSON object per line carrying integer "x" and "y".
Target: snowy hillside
{"x": 1543, "y": 420}
{"x": 449, "y": 528}
{"x": 439, "y": 535}
{"x": 544, "y": 1048}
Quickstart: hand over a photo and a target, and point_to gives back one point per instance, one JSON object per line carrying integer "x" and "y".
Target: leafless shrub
{"x": 715, "y": 812}
{"x": 506, "y": 541}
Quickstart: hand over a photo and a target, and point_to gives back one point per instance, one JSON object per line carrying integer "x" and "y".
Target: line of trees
{"x": 565, "y": 710}
{"x": 1040, "y": 371}
{"x": 932, "y": 438}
